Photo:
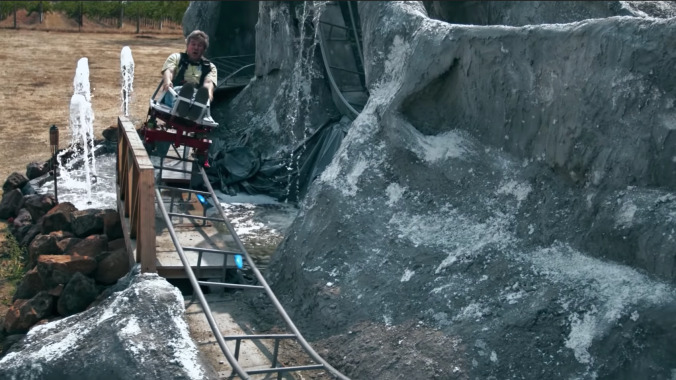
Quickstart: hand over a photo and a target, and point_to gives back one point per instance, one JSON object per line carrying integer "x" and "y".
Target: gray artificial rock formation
{"x": 289, "y": 98}
{"x": 507, "y": 192}
{"x": 508, "y": 187}
{"x": 231, "y": 24}
{"x": 139, "y": 331}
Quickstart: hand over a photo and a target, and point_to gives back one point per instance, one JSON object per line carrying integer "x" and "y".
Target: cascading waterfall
{"x": 301, "y": 91}
{"x": 127, "y": 76}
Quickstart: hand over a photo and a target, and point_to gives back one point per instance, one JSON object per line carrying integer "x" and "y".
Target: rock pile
{"x": 73, "y": 255}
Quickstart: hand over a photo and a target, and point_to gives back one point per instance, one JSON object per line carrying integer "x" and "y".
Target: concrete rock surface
{"x": 138, "y": 331}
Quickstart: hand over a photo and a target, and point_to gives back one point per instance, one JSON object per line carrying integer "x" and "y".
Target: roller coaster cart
{"x": 187, "y": 123}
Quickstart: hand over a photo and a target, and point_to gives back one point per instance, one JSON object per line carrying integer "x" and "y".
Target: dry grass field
{"x": 39, "y": 62}
{"x": 38, "y": 67}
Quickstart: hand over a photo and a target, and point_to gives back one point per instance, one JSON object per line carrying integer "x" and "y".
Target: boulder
{"x": 59, "y": 218}
{"x": 87, "y": 222}
{"x": 110, "y": 133}
{"x": 9, "y": 341}
{"x": 60, "y": 235}
{"x": 113, "y": 266}
{"x": 30, "y": 285}
{"x": 25, "y": 313}
{"x": 23, "y": 218}
{"x": 112, "y": 227}
{"x": 14, "y": 181}
{"x": 41, "y": 245}
{"x": 91, "y": 246}
{"x": 38, "y": 205}
{"x": 59, "y": 269}
{"x": 21, "y": 232}
{"x": 11, "y": 203}
{"x": 56, "y": 291}
{"x": 36, "y": 169}
{"x": 28, "y": 189}
{"x": 77, "y": 295}
{"x": 116, "y": 244}
{"x": 28, "y": 236}
{"x": 67, "y": 244}
{"x": 119, "y": 339}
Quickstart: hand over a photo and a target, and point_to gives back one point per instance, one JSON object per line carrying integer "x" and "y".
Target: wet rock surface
{"x": 501, "y": 208}
{"x": 505, "y": 187}
{"x": 136, "y": 331}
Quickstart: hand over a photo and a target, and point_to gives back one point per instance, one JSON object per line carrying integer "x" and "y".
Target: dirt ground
{"x": 38, "y": 71}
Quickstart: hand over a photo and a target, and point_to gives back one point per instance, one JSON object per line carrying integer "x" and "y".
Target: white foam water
{"x": 127, "y": 77}
{"x": 81, "y": 124}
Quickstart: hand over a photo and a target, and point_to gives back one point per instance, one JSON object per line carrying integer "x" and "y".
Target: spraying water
{"x": 81, "y": 123}
{"x": 127, "y": 73}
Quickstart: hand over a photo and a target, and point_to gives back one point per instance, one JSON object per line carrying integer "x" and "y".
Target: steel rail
{"x": 271, "y": 295}
{"x": 200, "y": 296}
{"x": 332, "y": 81}
{"x": 225, "y": 80}
{"x": 356, "y": 33}
{"x": 262, "y": 285}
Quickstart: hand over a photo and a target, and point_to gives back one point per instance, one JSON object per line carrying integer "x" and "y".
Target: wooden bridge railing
{"x": 136, "y": 195}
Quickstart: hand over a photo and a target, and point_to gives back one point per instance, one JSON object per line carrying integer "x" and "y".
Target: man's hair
{"x": 200, "y": 36}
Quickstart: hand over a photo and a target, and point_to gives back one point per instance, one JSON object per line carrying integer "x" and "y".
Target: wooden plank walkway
{"x": 191, "y": 233}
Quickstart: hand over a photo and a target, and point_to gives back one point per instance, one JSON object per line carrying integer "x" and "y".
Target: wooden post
{"x": 136, "y": 195}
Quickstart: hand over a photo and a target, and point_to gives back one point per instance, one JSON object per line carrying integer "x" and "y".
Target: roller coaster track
{"x": 339, "y": 36}
{"x": 234, "y": 71}
{"x": 317, "y": 363}
{"x": 340, "y": 40}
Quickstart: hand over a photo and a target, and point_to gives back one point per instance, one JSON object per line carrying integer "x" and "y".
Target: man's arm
{"x": 167, "y": 76}
{"x": 168, "y": 70}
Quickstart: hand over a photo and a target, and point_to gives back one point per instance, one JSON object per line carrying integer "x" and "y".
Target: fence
{"x": 136, "y": 195}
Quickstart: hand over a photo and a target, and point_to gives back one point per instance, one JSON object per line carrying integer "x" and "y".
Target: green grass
{"x": 12, "y": 263}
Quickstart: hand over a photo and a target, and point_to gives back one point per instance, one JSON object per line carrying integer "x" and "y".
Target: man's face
{"x": 195, "y": 49}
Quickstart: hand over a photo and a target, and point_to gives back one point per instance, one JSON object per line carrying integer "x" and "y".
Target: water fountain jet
{"x": 127, "y": 76}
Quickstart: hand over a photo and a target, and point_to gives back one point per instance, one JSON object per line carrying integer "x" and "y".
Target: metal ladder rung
{"x": 211, "y": 250}
{"x": 229, "y": 285}
{"x": 285, "y": 369}
{"x": 172, "y": 169}
{"x": 195, "y": 217}
{"x": 260, "y": 336}
{"x": 346, "y": 70}
{"x": 184, "y": 190}
{"x": 181, "y": 159}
